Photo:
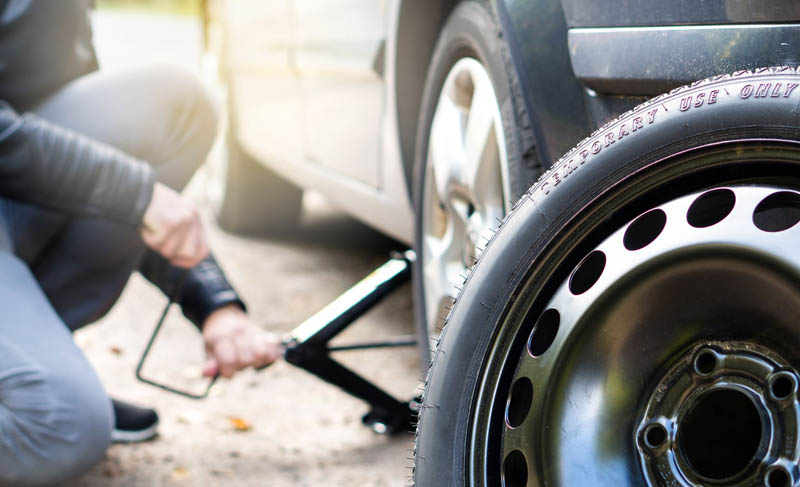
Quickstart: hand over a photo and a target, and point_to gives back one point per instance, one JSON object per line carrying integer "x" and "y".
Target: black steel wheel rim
{"x": 568, "y": 394}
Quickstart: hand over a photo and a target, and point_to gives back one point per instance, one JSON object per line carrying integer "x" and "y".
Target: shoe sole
{"x": 122, "y": 436}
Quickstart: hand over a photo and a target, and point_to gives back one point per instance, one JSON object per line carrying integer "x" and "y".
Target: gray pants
{"x": 58, "y": 273}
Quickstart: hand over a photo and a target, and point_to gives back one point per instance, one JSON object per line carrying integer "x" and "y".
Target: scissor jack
{"x": 308, "y": 347}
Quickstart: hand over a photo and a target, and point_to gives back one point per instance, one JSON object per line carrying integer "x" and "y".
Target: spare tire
{"x": 653, "y": 267}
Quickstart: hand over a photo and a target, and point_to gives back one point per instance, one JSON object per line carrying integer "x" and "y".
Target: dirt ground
{"x": 280, "y": 426}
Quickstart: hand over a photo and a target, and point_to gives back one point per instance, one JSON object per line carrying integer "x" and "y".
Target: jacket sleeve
{"x": 47, "y": 165}
{"x": 199, "y": 291}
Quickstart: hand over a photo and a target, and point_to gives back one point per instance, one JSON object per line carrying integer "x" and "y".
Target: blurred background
{"x": 279, "y": 427}
{"x": 181, "y": 7}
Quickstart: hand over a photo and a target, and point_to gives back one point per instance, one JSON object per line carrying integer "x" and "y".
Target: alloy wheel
{"x": 466, "y": 190}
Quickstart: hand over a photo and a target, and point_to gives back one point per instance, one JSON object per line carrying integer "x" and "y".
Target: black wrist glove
{"x": 204, "y": 288}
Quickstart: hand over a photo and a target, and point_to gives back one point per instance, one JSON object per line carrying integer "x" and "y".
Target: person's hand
{"x": 233, "y": 342}
{"x": 171, "y": 226}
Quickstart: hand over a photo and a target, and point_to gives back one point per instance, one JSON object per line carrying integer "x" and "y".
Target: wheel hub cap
{"x": 726, "y": 413}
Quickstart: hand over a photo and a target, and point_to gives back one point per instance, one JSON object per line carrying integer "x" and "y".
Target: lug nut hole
{"x": 782, "y": 386}
{"x": 777, "y": 477}
{"x": 587, "y": 273}
{"x": 519, "y": 402}
{"x": 655, "y": 435}
{"x": 705, "y": 362}
{"x": 544, "y": 333}
{"x": 778, "y": 212}
{"x": 711, "y": 208}
{"x": 644, "y": 230}
{"x": 515, "y": 470}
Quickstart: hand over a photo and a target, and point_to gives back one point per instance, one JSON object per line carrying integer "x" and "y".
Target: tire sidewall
{"x": 562, "y": 197}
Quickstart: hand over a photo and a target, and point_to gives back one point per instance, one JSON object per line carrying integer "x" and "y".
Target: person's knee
{"x": 192, "y": 118}
{"x": 192, "y": 104}
{"x": 54, "y": 426}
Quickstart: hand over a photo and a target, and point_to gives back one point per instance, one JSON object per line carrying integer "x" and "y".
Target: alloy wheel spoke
{"x": 462, "y": 211}
{"x": 438, "y": 273}
{"x": 477, "y": 134}
{"x": 446, "y": 150}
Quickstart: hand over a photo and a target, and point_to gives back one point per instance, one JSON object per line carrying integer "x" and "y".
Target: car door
{"x": 339, "y": 59}
{"x": 263, "y": 90}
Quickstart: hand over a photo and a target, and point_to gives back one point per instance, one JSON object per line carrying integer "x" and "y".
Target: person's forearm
{"x": 47, "y": 165}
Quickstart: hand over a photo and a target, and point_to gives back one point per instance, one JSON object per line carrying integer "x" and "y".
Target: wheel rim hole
{"x": 470, "y": 209}
{"x": 644, "y": 230}
{"x": 777, "y": 212}
{"x": 705, "y": 362}
{"x": 711, "y": 208}
{"x": 587, "y": 273}
{"x": 777, "y": 477}
{"x": 519, "y": 402}
{"x": 720, "y": 436}
{"x": 655, "y": 436}
{"x": 782, "y": 386}
{"x": 544, "y": 333}
{"x": 515, "y": 470}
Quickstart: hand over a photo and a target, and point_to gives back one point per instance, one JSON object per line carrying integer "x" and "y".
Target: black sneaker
{"x": 132, "y": 423}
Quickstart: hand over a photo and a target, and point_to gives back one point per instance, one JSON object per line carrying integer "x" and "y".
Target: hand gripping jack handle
{"x": 308, "y": 347}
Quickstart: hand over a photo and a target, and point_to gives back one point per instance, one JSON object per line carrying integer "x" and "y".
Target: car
{"x": 328, "y": 96}
{"x": 621, "y": 236}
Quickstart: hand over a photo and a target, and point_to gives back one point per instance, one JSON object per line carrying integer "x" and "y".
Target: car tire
{"x": 517, "y": 395}
{"x": 250, "y": 199}
{"x": 470, "y": 47}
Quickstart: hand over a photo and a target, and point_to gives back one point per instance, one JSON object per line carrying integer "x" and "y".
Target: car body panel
{"x": 258, "y": 51}
{"x": 338, "y": 42}
{"x": 629, "y": 13}
{"x": 620, "y": 60}
{"x": 266, "y": 98}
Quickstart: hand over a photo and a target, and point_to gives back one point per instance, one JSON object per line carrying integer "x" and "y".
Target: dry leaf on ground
{"x": 180, "y": 473}
{"x": 239, "y": 424}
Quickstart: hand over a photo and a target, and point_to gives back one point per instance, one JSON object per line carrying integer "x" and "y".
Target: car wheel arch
{"x": 418, "y": 27}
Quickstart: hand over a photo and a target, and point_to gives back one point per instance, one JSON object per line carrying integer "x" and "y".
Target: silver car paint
{"x": 267, "y": 99}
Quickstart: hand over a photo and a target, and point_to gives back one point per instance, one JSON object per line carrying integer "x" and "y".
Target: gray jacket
{"x": 44, "y": 44}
